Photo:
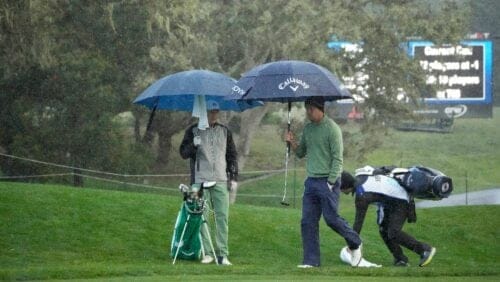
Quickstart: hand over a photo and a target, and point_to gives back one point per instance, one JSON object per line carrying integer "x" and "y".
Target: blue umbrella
{"x": 287, "y": 82}
{"x": 177, "y": 92}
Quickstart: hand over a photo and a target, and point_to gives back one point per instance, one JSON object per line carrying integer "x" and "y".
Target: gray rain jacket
{"x": 215, "y": 159}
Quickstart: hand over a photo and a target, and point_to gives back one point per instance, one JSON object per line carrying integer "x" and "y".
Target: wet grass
{"x": 59, "y": 232}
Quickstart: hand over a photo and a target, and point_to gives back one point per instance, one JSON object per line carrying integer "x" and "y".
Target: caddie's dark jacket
{"x": 215, "y": 159}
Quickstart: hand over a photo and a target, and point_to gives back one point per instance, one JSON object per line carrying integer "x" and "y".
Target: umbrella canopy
{"x": 178, "y": 91}
{"x": 288, "y": 81}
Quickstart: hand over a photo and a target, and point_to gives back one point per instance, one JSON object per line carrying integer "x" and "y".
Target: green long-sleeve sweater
{"x": 322, "y": 143}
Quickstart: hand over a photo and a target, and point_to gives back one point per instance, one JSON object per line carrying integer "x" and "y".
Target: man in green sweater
{"x": 321, "y": 142}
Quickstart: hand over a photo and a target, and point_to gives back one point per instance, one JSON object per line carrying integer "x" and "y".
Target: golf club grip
{"x": 288, "y": 144}
{"x": 289, "y": 110}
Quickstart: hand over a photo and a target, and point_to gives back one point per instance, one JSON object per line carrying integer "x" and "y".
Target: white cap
{"x": 366, "y": 170}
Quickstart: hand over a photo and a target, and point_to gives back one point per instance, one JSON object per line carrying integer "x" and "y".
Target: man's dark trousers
{"x": 317, "y": 200}
{"x": 395, "y": 215}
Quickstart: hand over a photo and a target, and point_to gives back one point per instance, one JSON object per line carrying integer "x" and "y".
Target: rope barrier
{"x": 34, "y": 176}
{"x": 128, "y": 175}
{"x": 276, "y": 171}
{"x": 122, "y": 183}
{"x": 123, "y": 175}
{"x": 90, "y": 170}
{"x": 126, "y": 183}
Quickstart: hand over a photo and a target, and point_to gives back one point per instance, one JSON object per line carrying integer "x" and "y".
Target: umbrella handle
{"x": 288, "y": 126}
{"x": 150, "y": 122}
{"x": 288, "y": 144}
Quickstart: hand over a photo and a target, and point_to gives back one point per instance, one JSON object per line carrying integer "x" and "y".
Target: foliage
{"x": 67, "y": 68}
{"x": 485, "y": 20}
{"x": 382, "y": 28}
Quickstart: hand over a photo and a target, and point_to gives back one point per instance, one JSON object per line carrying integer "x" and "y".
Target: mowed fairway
{"x": 59, "y": 232}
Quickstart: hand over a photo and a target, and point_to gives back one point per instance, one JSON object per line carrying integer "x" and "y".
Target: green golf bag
{"x": 186, "y": 240}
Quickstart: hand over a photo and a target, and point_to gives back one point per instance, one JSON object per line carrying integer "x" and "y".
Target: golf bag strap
{"x": 412, "y": 212}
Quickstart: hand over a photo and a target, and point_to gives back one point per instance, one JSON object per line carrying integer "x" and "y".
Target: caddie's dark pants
{"x": 394, "y": 217}
{"x": 319, "y": 199}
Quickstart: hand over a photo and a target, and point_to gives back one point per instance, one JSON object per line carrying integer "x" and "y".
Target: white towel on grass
{"x": 345, "y": 256}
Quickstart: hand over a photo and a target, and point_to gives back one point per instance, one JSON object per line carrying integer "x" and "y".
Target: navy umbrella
{"x": 287, "y": 82}
{"x": 178, "y": 92}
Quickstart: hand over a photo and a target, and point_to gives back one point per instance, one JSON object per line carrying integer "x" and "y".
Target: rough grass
{"x": 58, "y": 232}
{"x": 468, "y": 154}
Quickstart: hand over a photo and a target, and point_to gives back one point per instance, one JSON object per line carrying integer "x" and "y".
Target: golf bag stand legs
{"x": 205, "y": 225}
{"x": 207, "y": 231}
{"x": 181, "y": 239}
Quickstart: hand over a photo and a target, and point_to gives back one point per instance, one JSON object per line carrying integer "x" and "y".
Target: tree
{"x": 383, "y": 27}
{"x": 485, "y": 20}
{"x": 255, "y": 32}
{"x": 68, "y": 68}
{"x": 64, "y": 97}
{"x": 181, "y": 41}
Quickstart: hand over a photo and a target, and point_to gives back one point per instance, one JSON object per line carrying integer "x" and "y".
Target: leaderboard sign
{"x": 461, "y": 75}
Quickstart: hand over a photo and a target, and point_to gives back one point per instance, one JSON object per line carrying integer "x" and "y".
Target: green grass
{"x": 469, "y": 152}
{"x": 469, "y": 155}
{"x": 59, "y": 232}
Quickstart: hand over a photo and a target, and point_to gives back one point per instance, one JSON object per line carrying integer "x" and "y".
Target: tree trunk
{"x": 137, "y": 127}
{"x": 164, "y": 146}
{"x": 77, "y": 178}
{"x": 152, "y": 125}
{"x": 250, "y": 120}
{"x": 167, "y": 124}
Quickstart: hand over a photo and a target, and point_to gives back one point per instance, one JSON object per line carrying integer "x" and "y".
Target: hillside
{"x": 58, "y": 232}
{"x": 468, "y": 154}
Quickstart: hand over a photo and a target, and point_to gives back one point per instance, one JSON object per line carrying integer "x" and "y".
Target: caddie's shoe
{"x": 401, "y": 263}
{"x": 305, "y": 266}
{"x": 356, "y": 256}
{"x": 224, "y": 261}
{"x": 427, "y": 256}
{"x": 207, "y": 259}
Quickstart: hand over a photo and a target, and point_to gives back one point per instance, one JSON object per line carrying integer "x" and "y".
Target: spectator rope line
{"x": 121, "y": 175}
{"x": 126, "y": 183}
{"x": 35, "y": 176}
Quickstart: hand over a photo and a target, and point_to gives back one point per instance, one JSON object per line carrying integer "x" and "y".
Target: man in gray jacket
{"x": 213, "y": 157}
